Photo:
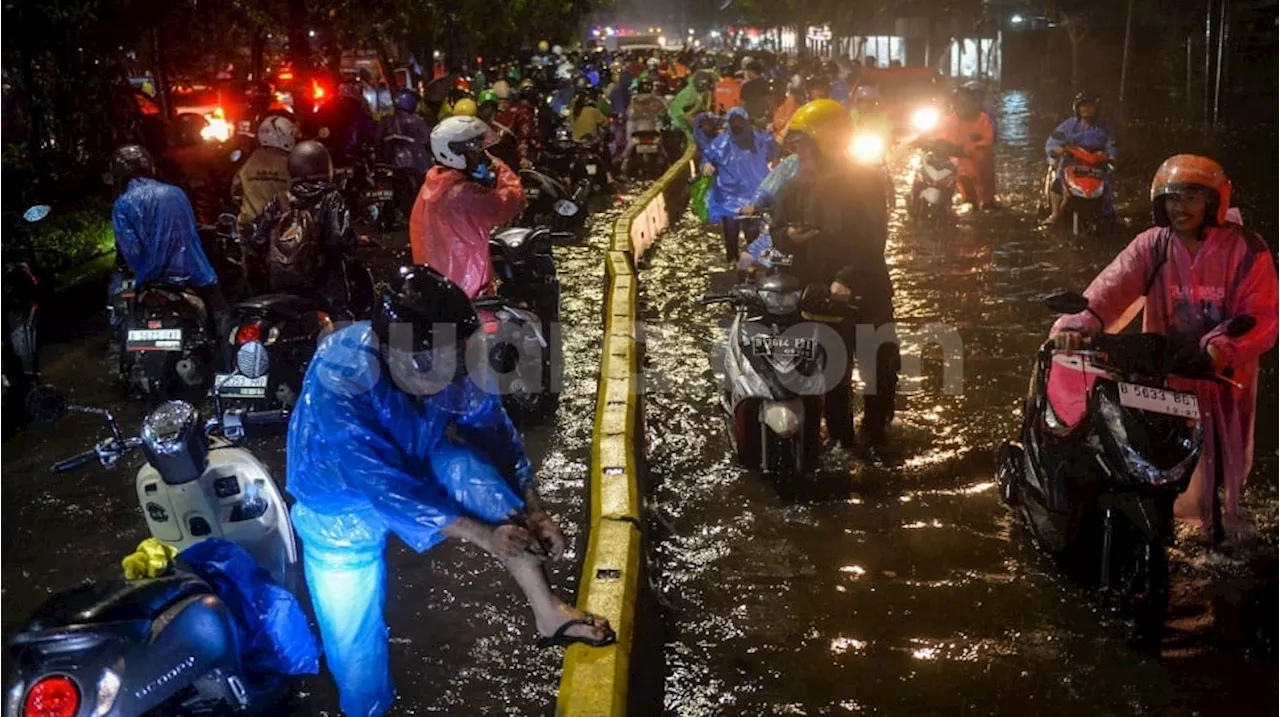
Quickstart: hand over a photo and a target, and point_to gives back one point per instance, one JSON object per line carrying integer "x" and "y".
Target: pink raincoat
{"x": 451, "y": 220}
{"x": 1192, "y": 299}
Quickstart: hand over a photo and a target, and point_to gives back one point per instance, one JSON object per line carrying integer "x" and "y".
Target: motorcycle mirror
{"x": 36, "y": 213}
{"x": 565, "y": 208}
{"x": 1067, "y": 303}
{"x": 1241, "y": 325}
{"x": 236, "y": 155}
{"x": 45, "y": 404}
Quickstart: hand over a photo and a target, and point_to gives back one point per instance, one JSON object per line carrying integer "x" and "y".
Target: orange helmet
{"x": 1184, "y": 171}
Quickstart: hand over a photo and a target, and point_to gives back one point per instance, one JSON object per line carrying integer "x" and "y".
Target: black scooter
{"x": 1106, "y": 447}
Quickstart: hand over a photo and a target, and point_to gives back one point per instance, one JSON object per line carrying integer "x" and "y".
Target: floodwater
{"x": 906, "y": 588}
{"x": 462, "y": 641}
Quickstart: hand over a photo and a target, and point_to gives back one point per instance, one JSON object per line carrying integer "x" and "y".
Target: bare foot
{"x": 550, "y": 621}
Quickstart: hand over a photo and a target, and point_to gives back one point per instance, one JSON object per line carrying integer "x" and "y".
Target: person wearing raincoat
{"x": 691, "y": 101}
{"x": 464, "y": 197}
{"x": 739, "y": 159}
{"x": 763, "y": 200}
{"x": 1190, "y": 275}
{"x": 969, "y": 128}
{"x": 391, "y": 435}
{"x": 1084, "y": 131}
{"x": 156, "y": 237}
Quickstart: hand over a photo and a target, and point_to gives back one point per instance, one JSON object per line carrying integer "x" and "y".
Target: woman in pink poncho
{"x": 1192, "y": 273}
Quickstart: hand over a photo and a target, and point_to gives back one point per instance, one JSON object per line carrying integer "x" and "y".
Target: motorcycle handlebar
{"x": 265, "y": 418}
{"x": 75, "y": 462}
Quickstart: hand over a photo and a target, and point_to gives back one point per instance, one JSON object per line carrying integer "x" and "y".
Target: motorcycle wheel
{"x": 1008, "y": 470}
{"x": 1151, "y": 601}
{"x": 784, "y": 456}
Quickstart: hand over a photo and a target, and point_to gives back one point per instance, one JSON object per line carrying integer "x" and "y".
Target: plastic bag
{"x": 275, "y": 637}
{"x": 698, "y": 196}
{"x": 151, "y": 560}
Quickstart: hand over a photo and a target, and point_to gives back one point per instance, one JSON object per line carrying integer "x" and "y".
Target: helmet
{"x": 457, "y": 138}
{"x": 746, "y": 60}
{"x": 652, "y": 63}
{"x": 824, "y": 121}
{"x": 502, "y": 89}
{"x": 465, "y": 107}
{"x": 866, "y": 93}
{"x": 462, "y": 84}
{"x": 310, "y": 160}
{"x": 644, "y": 86}
{"x": 130, "y": 162}
{"x": 543, "y": 46}
{"x": 565, "y": 71}
{"x": 963, "y": 94}
{"x": 487, "y": 96}
{"x": 1083, "y": 98}
{"x": 407, "y": 100}
{"x": 279, "y": 132}
{"x": 1185, "y": 171}
{"x": 557, "y": 50}
{"x": 704, "y": 81}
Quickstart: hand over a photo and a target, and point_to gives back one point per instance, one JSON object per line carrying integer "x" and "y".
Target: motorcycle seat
{"x": 115, "y": 601}
{"x": 289, "y": 305}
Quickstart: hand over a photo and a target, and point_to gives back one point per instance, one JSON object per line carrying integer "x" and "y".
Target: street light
{"x": 1016, "y": 19}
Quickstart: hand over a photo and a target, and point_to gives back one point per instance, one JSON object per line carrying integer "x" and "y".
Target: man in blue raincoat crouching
{"x": 369, "y": 453}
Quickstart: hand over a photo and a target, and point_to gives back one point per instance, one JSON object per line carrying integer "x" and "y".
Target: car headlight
{"x": 218, "y": 130}
{"x": 780, "y": 303}
{"x": 1180, "y": 447}
{"x": 925, "y": 119}
{"x": 867, "y": 148}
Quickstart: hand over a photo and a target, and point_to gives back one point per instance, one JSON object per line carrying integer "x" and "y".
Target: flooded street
{"x": 908, "y": 588}
{"x": 462, "y": 641}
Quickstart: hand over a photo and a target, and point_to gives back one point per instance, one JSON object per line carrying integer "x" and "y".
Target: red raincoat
{"x": 451, "y": 220}
{"x": 1192, "y": 299}
{"x": 976, "y": 136}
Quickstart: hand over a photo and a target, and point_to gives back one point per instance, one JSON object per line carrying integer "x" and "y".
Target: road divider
{"x": 595, "y": 680}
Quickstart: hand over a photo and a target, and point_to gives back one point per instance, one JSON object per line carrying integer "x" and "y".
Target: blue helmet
{"x": 407, "y": 100}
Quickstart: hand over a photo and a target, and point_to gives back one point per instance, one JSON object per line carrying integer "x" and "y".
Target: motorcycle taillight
{"x": 251, "y": 331}
{"x": 53, "y": 696}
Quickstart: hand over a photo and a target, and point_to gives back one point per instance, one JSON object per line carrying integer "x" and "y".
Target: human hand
{"x": 547, "y": 533}
{"x": 840, "y": 292}
{"x": 708, "y": 169}
{"x": 508, "y": 540}
{"x": 749, "y": 210}
{"x": 1068, "y": 340}
{"x": 1056, "y": 152}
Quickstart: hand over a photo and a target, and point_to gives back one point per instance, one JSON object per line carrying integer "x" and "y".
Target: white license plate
{"x": 380, "y": 195}
{"x": 153, "y": 340}
{"x": 532, "y": 193}
{"x": 234, "y": 385}
{"x": 647, "y": 149}
{"x": 783, "y": 346}
{"x": 592, "y": 169}
{"x": 1159, "y": 400}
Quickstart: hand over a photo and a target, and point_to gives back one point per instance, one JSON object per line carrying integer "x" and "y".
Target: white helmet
{"x": 557, "y": 50}
{"x": 456, "y": 135}
{"x": 278, "y": 132}
{"x": 565, "y": 71}
{"x": 746, "y": 60}
{"x": 653, "y": 63}
{"x": 502, "y": 89}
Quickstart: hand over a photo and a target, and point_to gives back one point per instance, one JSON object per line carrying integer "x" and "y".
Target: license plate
{"x": 783, "y": 346}
{"x": 234, "y": 385}
{"x": 380, "y": 195}
{"x": 1159, "y": 400}
{"x": 153, "y": 340}
{"x": 532, "y": 193}
{"x": 647, "y": 149}
{"x": 592, "y": 169}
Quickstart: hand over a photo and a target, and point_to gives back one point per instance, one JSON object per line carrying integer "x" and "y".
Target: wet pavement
{"x": 462, "y": 638}
{"x": 907, "y": 588}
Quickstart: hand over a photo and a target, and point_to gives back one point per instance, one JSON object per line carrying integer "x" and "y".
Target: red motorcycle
{"x": 1085, "y": 176}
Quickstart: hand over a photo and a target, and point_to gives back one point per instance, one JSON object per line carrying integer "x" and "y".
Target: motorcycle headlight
{"x": 780, "y": 303}
{"x": 925, "y": 119}
{"x": 1155, "y": 449}
{"x": 867, "y": 148}
{"x": 218, "y": 129}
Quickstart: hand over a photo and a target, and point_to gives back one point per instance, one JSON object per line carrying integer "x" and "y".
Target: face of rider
{"x": 1186, "y": 209}
{"x": 1088, "y": 112}
{"x": 738, "y": 125}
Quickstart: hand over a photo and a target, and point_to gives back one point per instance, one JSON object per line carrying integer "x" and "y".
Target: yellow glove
{"x": 151, "y": 560}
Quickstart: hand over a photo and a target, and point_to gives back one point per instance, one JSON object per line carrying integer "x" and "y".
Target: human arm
{"x": 1116, "y": 294}
{"x": 1256, "y": 295}
{"x": 1057, "y": 139}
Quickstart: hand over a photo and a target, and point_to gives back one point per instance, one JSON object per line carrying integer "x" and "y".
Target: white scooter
{"x": 934, "y": 184}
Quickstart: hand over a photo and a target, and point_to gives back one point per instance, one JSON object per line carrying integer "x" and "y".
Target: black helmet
{"x": 310, "y": 160}
{"x": 406, "y": 100}
{"x": 1084, "y": 98}
{"x": 644, "y": 86}
{"x": 130, "y": 162}
{"x": 704, "y": 82}
{"x": 421, "y": 298}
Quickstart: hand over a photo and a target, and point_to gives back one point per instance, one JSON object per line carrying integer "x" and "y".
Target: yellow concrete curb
{"x": 594, "y": 680}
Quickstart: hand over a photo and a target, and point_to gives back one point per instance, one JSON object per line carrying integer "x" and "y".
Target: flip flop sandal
{"x": 562, "y": 639}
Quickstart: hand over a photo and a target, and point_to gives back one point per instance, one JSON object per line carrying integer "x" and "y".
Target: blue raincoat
{"x": 156, "y": 234}
{"x": 620, "y": 97}
{"x": 700, "y": 138}
{"x": 1097, "y": 137}
{"x": 763, "y": 199}
{"x": 741, "y": 162}
{"x": 366, "y": 458}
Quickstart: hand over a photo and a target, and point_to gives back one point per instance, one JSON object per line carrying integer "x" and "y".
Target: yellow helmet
{"x": 543, "y": 46}
{"x": 825, "y": 121}
{"x": 465, "y": 107}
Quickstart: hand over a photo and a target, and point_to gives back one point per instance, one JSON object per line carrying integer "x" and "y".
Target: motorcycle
{"x": 774, "y": 369}
{"x": 1109, "y": 439}
{"x": 650, "y": 158}
{"x": 23, "y": 291}
{"x": 871, "y": 149}
{"x": 165, "y": 645}
{"x": 576, "y": 165}
{"x": 221, "y": 243}
{"x": 522, "y": 321}
{"x": 934, "y": 183}
{"x": 378, "y": 193}
{"x": 549, "y": 201}
{"x": 164, "y": 337}
{"x": 1085, "y": 175}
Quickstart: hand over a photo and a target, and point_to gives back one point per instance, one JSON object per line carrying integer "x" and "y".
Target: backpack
{"x": 293, "y": 256}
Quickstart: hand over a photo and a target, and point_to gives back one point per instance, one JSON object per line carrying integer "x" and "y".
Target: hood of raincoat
{"x": 365, "y": 457}
{"x": 745, "y": 139}
{"x": 702, "y": 139}
{"x": 451, "y": 220}
{"x": 156, "y": 234}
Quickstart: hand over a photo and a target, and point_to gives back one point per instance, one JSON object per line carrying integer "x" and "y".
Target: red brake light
{"x": 55, "y": 696}
{"x": 285, "y": 76}
{"x": 248, "y": 332}
{"x": 318, "y": 91}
